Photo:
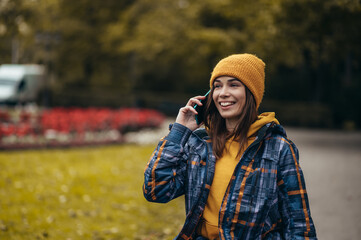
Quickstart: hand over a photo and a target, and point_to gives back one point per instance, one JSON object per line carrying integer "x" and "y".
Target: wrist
{"x": 179, "y": 133}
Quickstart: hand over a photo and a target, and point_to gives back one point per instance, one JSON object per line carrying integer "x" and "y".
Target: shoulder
{"x": 277, "y": 145}
{"x": 201, "y": 133}
{"x": 198, "y": 141}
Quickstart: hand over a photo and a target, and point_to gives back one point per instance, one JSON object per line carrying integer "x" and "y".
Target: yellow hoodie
{"x": 222, "y": 175}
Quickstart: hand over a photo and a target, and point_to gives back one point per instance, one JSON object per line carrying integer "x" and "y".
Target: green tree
{"x": 81, "y": 61}
{"x": 111, "y": 52}
{"x": 173, "y": 45}
{"x": 16, "y": 33}
{"x": 319, "y": 54}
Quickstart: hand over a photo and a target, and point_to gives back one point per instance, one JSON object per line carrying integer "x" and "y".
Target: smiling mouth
{"x": 226, "y": 104}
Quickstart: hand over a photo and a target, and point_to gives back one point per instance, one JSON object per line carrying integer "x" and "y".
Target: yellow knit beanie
{"x": 247, "y": 68}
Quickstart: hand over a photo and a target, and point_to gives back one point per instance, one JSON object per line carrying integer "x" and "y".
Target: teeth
{"x": 225, "y": 104}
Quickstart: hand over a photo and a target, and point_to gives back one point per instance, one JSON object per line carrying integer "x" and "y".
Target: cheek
{"x": 241, "y": 95}
{"x": 242, "y": 100}
{"x": 214, "y": 97}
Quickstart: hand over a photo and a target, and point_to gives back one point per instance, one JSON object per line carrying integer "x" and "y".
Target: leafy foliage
{"x": 140, "y": 48}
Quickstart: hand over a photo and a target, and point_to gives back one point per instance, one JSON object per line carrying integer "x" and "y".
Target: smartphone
{"x": 200, "y": 109}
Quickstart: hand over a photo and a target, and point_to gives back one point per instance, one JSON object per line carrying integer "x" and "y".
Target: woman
{"x": 240, "y": 175}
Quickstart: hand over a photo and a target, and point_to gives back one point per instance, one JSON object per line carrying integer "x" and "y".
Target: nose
{"x": 224, "y": 92}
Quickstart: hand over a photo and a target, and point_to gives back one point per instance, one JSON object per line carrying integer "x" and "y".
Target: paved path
{"x": 331, "y": 162}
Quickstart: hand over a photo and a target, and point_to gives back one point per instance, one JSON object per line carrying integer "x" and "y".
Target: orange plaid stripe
{"x": 297, "y": 192}
{"x": 301, "y": 191}
{"x": 271, "y": 229}
{"x": 153, "y": 171}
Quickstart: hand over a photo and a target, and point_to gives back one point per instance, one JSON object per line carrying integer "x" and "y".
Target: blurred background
{"x": 158, "y": 54}
{"x": 85, "y": 73}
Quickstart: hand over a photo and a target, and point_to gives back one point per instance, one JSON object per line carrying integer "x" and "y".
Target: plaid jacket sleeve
{"x": 164, "y": 176}
{"x": 293, "y": 201}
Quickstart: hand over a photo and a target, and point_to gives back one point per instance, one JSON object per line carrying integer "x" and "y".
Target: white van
{"x": 21, "y": 83}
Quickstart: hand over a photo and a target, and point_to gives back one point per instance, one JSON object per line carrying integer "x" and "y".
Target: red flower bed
{"x": 73, "y": 126}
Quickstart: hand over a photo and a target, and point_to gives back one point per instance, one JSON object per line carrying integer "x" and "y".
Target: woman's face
{"x": 229, "y": 96}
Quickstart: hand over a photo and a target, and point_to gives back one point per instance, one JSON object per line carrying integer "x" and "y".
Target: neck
{"x": 230, "y": 125}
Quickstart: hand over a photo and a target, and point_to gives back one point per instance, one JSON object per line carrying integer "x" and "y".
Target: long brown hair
{"x": 216, "y": 124}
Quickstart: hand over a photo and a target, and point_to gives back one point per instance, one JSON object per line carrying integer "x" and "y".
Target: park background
{"x": 155, "y": 55}
{"x": 158, "y": 54}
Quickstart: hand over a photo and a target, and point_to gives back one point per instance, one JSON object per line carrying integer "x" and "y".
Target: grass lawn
{"x": 84, "y": 193}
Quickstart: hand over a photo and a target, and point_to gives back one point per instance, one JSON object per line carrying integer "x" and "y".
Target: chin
{"x": 228, "y": 116}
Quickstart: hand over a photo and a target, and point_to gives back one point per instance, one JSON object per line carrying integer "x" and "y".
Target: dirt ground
{"x": 331, "y": 162}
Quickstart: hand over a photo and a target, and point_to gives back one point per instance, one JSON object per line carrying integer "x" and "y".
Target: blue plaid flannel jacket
{"x": 265, "y": 199}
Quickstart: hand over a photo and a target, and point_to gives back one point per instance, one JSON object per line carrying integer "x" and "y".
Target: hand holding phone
{"x": 200, "y": 109}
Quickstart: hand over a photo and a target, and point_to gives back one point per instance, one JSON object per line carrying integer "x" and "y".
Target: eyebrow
{"x": 229, "y": 80}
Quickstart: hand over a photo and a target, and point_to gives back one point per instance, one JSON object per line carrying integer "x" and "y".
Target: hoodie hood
{"x": 262, "y": 119}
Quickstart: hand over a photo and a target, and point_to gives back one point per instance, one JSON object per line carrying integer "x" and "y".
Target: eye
{"x": 217, "y": 85}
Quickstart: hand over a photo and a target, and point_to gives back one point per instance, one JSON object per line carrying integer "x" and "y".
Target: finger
{"x": 199, "y": 98}
{"x": 195, "y": 100}
{"x": 188, "y": 109}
